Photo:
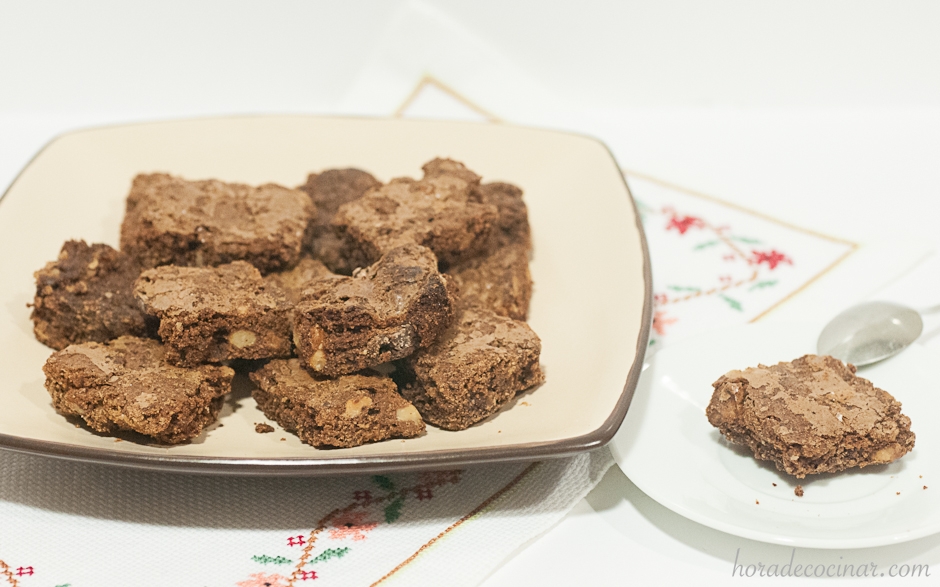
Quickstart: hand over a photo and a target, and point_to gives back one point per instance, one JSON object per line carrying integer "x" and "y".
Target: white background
{"x": 823, "y": 113}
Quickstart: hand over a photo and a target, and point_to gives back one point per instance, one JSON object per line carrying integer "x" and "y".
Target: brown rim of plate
{"x": 299, "y": 467}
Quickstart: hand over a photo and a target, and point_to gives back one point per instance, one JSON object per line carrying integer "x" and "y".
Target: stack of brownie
{"x": 362, "y": 310}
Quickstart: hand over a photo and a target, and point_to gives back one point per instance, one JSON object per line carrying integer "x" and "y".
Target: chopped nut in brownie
{"x": 811, "y": 415}
{"x": 443, "y": 211}
{"x": 347, "y": 411}
{"x": 382, "y": 313}
{"x": 126, "y": 385}
{"x": 329, "y": 190}
{"x": 798, "y": 491}
{"x": 476, "y": 366}
{"x": 214, "y": 314}
{"x": 86, "y": 295}
{"x": 202, "y": 223}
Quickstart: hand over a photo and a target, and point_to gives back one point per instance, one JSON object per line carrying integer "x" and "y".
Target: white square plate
{"x": 591, "y": 305}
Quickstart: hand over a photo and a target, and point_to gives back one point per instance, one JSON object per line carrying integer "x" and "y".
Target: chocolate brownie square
{"x": 499, "y": 281}
{"x": 126, "y": 385}
{"x": 87, "y": 295}
{"x": 443, "y": 211}
{"x": 381, "y": 313}
{"x": 499, "y": 278}
{"x": 475, "y": 367}
{"x": 512, "y": 222}
{"x": 214, "y": 314}
{"x": 329, "y": 190}
{"x": 811, "y": 415}
{"x": 170, "y": 220}
{"x": 343, "y": 412}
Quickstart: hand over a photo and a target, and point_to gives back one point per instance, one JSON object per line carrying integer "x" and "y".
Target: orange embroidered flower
{"x": 351, "y": 525}
{"x": 263, "y": 580}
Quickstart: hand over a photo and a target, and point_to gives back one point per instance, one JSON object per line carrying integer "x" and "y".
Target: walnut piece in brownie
{"x": 87, "y": 295}
{"x": 169, "y": 220}
{"x": 811, "y": 415}
{"x": 125, "y": 384}
{"x": 382, "y": 313}
{"x": 343, "y": 412}
{"x": 295, "y": 281}
{"x": 214, "y": 314}
{"x": 499, "y": 278}
{"x": 329, "y": 190}
{"x": 475, "y": 367}
{"x": 443, "y": 211}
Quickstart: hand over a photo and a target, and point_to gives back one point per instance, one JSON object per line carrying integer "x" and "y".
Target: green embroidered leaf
{"x": 705, "y": 245}
{"x": 393, "y": 510}
{"x": 267, "y": 560}
{"x": 680, "y": 288}
{"x": 652, "y": 342}
{"x": 743, "y": 239}
{"x": 328, "y": 554}
{"x": 735, "y": 304}
{"x": 383, "y": 482}
{"x": 763, "y": 284}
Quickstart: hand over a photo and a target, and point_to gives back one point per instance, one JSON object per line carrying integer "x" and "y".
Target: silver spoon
{"x": 870, "y": 332}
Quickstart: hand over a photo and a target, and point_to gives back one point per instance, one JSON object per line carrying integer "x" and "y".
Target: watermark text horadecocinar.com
{"x": 793, "y": 568}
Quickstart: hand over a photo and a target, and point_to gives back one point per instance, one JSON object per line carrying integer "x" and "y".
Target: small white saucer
{"x": 670, "y": 451}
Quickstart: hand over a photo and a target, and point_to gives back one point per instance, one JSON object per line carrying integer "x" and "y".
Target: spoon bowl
{"x": 870, "y": 332}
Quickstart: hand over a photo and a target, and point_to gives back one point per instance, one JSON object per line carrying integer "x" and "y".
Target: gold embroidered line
{"x": 806, "y": 283}
{"x": 737, "y": 207}
{"x": 475, "y": 512}
{"x": 853, "y": 246}
{"x": 429, "y": 80}
{"x": 712, "y": 291}
{"x": 6, "y": 572}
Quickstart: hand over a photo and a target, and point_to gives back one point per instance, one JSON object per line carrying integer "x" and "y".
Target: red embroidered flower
{"x": 307, "y": 575}
{"x": 660, "y": 322}
{"x": 296, "y": 541}
{"x": 362, "y": 496}
{"x": 684, "y": 223}
{"x": 263, "y": 580}
{"x": 438, "y": 478}
{"x": 423, "y": 493}
{"x": 773, "y": 258}
{"x": 351, "y": 525}
{"x": 660, "y": 299}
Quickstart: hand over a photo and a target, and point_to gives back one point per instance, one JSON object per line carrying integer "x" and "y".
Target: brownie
{"x": 170, "y": 220}
{"x": 382, "y": 313}
{"x": 347, "y": 411}
{"x": 443, "y": 211}
{"x": 811, "y": 415}
{"x": 87, "y": 295}
{"x": 296, "y": 280}
{"x": 476, "y": 366}
{"x": 125, "y": 385}
{"x": 512, "y": 222}
{"x": 499, "y": 278}
{"x": 329, "y": 190}
{"x": 213, "y": 314}
{"x": 499, "y": 281}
